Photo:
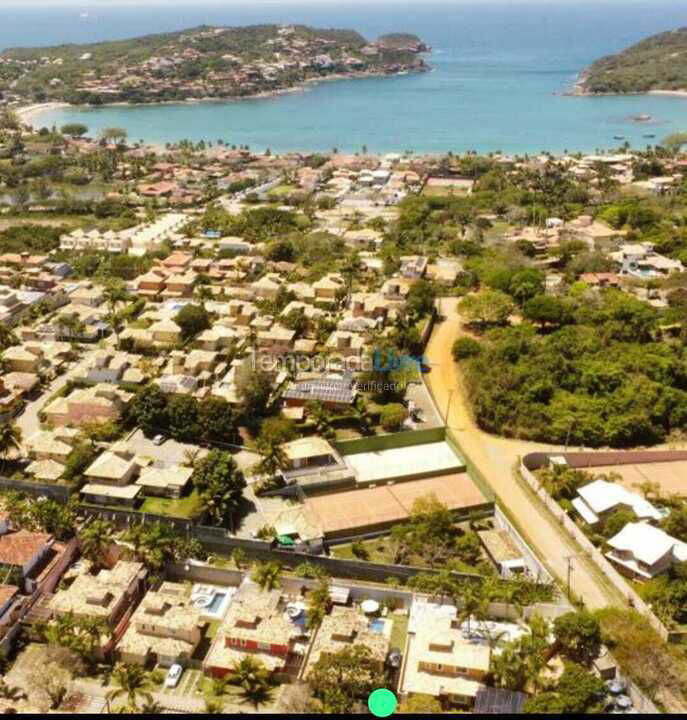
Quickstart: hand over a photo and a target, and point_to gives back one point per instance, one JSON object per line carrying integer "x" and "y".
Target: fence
{"x": 51, "y": 490}
{"x": 535, "y": 566}
{"x": 533, "y": 462}
{"x": 376, "y": 443}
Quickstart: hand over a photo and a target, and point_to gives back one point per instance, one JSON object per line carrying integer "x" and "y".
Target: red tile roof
{"x": 20, "y": 547}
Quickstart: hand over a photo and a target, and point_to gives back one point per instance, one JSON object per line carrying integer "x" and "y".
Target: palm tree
{"x": 473, "y": 603}
{"x": 253, "y": 679}
{"x": 213, "y": 707}
{"x": 10, "y": 439}
{"x": 267, "y": 575}
{"x": 151, "y": 707}
{"x": 273, "y": 458}
{"x": 96, "y": 539}
{"x": 7, "y": 337}
{"x": 114, "y": 292}
{"x": 11, "y": 692}
{"x": 132, "y": 681}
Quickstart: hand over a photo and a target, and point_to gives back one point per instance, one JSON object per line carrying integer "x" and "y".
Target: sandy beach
{"x": 28, "y": 113}
{"x": 675, "y": 93}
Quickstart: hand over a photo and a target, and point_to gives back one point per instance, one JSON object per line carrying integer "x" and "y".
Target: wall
{"x": 536, "y": 567}
{"x": 51, "y": 490}
{"x": 392, "y": 440}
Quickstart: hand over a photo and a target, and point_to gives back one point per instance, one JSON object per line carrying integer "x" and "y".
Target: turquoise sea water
{"x": 498, "y": 69}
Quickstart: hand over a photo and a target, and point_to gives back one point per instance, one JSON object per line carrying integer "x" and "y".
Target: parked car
{"x": 159, "y": 439}
{"x": 173, "y": 676}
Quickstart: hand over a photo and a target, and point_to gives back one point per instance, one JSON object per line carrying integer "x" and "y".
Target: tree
{"x": 547, "y": 310}
{"x": 675, "y": 524}
{"x": 465, "y": 347}
{"x": 157, "y": 543}
{"x": 114, "y": 293}
{"x": 192, "y": 319}
{"x": 253, "y": 679}
{"x": 10, "y": 439}
{"x": 220, "y": 482}
{"x": 418, "y": 704}
{"x": 132, "y": 681}
{"x": 577, "y": 692}
{"x": 486, "y": 307}
{"x": 148, "y": 409}
{"x": 96, "y": 539}
{"x": 579, "y": 636}
{"x": 319, "y": 603}
{"x": 11, "y": 692}
{"x": 255, "y": 393}
{"x": 343, "y": 680}
{"x": 267, "y": 575}
{"x": 115, "y": 135}
{"x": 52, "y": 683}
{"x": 216, "y": 419}
{"x": 74, "y": 129}
{"x": 393, "y": 416}
{"x": 182, "y": 418}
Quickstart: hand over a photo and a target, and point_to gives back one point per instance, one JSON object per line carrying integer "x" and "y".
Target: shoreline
{"x": 28, "y": 113}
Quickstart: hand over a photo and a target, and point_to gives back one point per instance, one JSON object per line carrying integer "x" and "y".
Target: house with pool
{"x": 263, "y": 625}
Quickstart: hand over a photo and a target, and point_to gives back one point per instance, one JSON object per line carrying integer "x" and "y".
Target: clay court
{"x": 671, "y": 477}
{"x": 371, "y": 509}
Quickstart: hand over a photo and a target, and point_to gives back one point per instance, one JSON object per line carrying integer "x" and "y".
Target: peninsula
{"x": 657, "y": 63}
{"x": 201, "y": 63}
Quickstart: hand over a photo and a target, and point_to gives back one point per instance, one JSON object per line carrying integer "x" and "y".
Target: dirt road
{"x": 496, "y": 458}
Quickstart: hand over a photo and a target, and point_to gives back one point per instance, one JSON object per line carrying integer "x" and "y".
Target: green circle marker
{"x": 382, "y": 702}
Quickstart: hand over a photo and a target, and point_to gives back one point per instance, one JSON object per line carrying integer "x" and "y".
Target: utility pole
{"x": 448, "y": 405}
{"x": 569, "y": 559}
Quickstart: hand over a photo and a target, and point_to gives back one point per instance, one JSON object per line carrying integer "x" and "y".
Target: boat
{"x": 618, "y": 137}
{"x": 649, "y": 135}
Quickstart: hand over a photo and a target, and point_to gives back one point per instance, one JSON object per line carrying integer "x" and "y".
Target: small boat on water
{"x": 649, "y": 135}
{"x": 618, "y": 137}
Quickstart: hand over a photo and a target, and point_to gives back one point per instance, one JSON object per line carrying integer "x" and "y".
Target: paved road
{"x": 496, "y": 459}
{"x": 28, "y": 419}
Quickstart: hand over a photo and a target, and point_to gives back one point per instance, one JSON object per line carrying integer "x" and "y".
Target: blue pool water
{"x": 216, "y": 603}
{"x": 377, "y": 625}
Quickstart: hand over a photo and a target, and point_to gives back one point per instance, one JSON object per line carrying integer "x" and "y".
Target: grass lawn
{"x": 282, "y": 190}
{"x": 399, "y": 631}
{"x": 379, "y": 550}
{"x": 184, "y": 507}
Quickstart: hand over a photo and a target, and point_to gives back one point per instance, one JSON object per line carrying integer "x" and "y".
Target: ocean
{"x": 499, "y": 67}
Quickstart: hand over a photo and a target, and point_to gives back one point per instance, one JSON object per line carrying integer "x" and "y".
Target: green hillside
{"x": 656, "y": 63}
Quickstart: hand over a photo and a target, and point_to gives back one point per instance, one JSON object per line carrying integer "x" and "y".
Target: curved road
{"x": 496, "y": 458}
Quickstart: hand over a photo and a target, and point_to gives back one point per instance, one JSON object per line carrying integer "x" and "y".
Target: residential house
{"x": 643, "y": 551}
{"x": 100, "y": 403}
{"x": 442, "y": 660}
{"x": 256, "y": 625}
{"x": 598, "y": 500}
{"x": 166, "y": 628}
{"x": 22, "y": 556}
{"x": 103, "y": 595}
{"x": 332, "y": 391}
{"x": 343, "y": 628}
{"x": 164, "y": 480}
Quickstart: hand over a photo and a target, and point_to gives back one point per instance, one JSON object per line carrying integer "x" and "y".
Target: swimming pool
{"x": 216, "y": 604}
{"x": 377, "y": 625}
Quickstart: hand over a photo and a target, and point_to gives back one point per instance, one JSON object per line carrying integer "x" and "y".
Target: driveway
{"x": 28, "y": 419}
{"x": 496, "y": 458}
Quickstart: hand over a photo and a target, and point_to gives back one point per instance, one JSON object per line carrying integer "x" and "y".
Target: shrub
{"x": 465, "y": 347}
{"x": 393, "y": 416}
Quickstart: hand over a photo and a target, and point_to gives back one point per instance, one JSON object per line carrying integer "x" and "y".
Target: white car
{"x": 159, "y": 439}
{"x": 173, "y": 676}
